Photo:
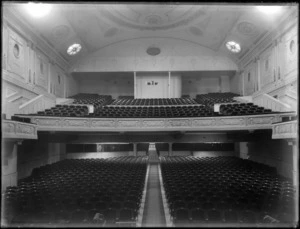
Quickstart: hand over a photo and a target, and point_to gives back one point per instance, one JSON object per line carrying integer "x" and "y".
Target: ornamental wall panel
{"x": 288, "y": 54}
{"x": 16, "y": 56}
{"x": 57, "y": 81}
{"x": 4, "y": 46}
{"x": 31, "y": 66}
{"x": 40, "y": 77}
{"x": 267, "y": 71}
{"x": 250, "y": 79}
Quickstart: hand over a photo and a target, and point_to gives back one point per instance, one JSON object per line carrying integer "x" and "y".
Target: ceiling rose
{"x": 111, "y": 32}
{"x": 153, "y": 20}
{"x": 246, "y": 28}
{"x": 153, "y": 51}
{"x": 196, "y": 31}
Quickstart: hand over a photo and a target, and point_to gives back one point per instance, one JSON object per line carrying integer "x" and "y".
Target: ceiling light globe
{"x": 269, "y": 9}
{"x": 38, "y": 10}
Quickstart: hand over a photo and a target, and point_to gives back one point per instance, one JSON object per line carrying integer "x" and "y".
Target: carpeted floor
{"x": 154, "y": 212}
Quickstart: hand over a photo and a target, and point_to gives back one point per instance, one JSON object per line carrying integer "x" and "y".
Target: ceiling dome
{"x": 152, "y": 17}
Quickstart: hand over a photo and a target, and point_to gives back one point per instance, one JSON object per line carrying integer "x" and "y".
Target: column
{"x": 9, "y": 164}
{"x": 258, "y": 74}
{"x": 134, "y": 84}
{"x": 295, "y": 176}
{"x": 243, "y": 83}
{"x": 295, "y": 162}
{"x": 135, "y": 149}
{"x": 170, "y": 149}
{"x": 169, "y": 85}
{"x": 244, "y": 150}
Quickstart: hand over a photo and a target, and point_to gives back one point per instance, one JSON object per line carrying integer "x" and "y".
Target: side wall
{"x": 33, "y": 154}
{"x": 213, "y": 82}
{"x": 272, "y": 66}
{"x": 30, "y": 67}
{"x": 275, "y": 153}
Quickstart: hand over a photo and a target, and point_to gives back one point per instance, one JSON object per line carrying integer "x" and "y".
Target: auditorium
{"x": 161, "y": 114}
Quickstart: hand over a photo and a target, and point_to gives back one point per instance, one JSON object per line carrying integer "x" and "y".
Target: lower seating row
{"x": 74, "y": 190}
{"x": 225, "y": 189}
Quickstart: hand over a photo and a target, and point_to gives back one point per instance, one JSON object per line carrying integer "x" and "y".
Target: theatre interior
{"x": 149, "y": 114}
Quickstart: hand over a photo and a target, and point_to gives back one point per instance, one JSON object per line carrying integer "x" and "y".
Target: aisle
{"x": 154, "y": 212}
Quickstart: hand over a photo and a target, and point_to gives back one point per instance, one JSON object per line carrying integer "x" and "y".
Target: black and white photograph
{"x": 149, "y": 114}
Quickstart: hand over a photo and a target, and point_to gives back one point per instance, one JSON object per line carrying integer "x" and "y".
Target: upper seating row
{"x": 104, "y": 106}
{"x": 213, "y": 98}
{"x": 151, "y": 102}
{"x": 126, "y": 97}
{"x": 158, "y": 112}
{"x": 242, "y": 109}
{"x": 65, "y": 110}
{"x": 94, "y": 99}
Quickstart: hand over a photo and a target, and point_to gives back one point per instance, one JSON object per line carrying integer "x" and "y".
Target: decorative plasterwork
{"x": 15, "y": 21}
{"x": 149, "y": 20}
{"x": 285, "y": 23}
{"x": 246, "y": 28}
{"x": 18, "y": 130}
{"x": 250, "y": 122}
{"x": 30, "y": 89}
{"x": 285, "y": 130}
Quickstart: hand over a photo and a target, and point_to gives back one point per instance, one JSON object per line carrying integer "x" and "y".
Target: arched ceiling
{"x": 95, "y": 26}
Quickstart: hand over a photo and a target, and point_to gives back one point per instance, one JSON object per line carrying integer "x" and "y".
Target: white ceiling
{"x": 95, "y": 26}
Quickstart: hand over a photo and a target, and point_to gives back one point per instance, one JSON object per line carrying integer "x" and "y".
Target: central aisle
{"x": 154, "y": 215}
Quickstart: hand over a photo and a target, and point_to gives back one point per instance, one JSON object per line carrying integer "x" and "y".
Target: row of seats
{"x": 242, "y": 109}
{"x": 158, "y": 112}
{"x": 185, "y": 96}
{"x": 212, "y": 98}
{"x": 126, "y": 97}
{"x": 66, "y": 111}
{"x": 75, "y": 190}
{"x": 94, "y": 99}
{"x": 20, "y": 119}
{"x": 225, "y": 189}
{"x": 155, "y": 102}
{"x": 105, "y": 107}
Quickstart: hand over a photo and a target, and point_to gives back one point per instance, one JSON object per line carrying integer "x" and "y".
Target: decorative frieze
{"x": 231, "y": 122}
{"x": 285, "y": 130}
{"x": 24, "y": 129}
{"x": 76, "y": 122}
{"x": 153, "y": 123}
{"x": 128, "y": 123}
{"x": 102, "y": 123}
{"x": 18, "y": 130}
{"x": 178, "y": 123}
{"x": 47, "y": 121}
{"x": 204, "y": 122}
{"x": 260, "y": 121}
{"x": 250, "y": 122}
